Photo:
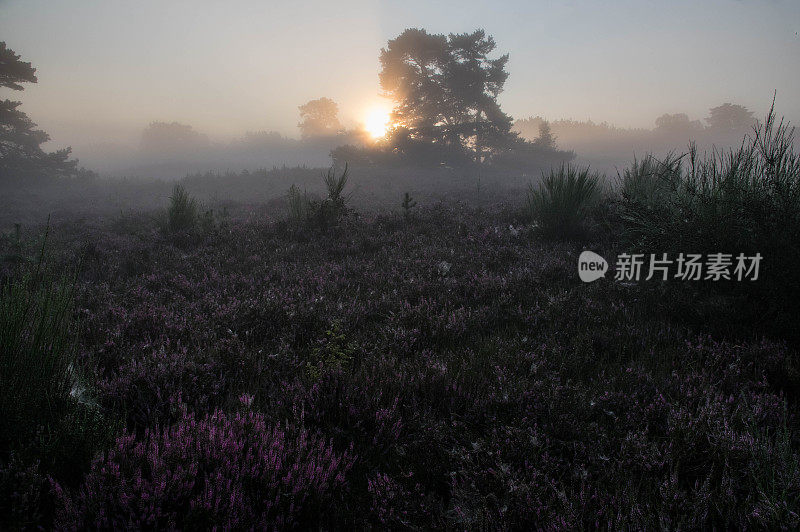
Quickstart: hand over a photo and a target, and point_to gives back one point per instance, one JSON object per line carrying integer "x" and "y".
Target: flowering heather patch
{"x": 220, "y": 471}
{"x": 271, "y": 376}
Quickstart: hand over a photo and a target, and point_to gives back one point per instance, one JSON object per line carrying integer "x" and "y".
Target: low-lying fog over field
{"x": 399, "y": 265}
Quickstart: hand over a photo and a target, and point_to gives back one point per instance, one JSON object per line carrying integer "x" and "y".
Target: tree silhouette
{"x": 21, "y": 154}
{"x": 319, "y": 118}
{"x": 730, "y": 117}
{"x": 445, "y": 90}
{"x": 13, "y": 71}
{"x": 171, "y": 138}
{"x": 546, "y": 139}
{"x": 677, "y": 123}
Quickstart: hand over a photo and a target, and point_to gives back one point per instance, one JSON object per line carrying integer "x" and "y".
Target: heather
{"x": 221, "y": 471}
{"x": 281, "y": 285}
{"x": 441, "y": 369}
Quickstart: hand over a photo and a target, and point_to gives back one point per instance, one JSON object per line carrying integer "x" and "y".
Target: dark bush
{"x": 561, "y": 203}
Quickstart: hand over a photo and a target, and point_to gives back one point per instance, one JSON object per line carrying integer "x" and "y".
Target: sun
{"x": 376, "y": 123}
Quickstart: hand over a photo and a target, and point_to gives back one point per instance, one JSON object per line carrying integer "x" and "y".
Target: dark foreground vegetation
{"x": 436, "y": 366}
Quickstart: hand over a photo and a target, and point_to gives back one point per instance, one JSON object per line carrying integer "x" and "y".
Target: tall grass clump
{"x": 647, "y": 190}
{"x": 739, "y": 199}
{"x": 182, "y": 214}
{"x": 736, "y": 197}
{"x": 335, "y": 187}
{"x": 36, "y": 349}
{"x": 50, "y": 427}
{"x": 742, "y": 200}
{"x": 298, "y": 205}
{"x": 562, "y": 202}
{"x": 650, "y": 181}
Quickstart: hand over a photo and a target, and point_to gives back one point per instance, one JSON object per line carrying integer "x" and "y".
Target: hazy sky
{"x": 108, "y": 68}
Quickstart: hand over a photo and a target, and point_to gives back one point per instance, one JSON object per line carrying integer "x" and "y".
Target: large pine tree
{"x": 22, "y": 158}
{"x": 445, "y": 90}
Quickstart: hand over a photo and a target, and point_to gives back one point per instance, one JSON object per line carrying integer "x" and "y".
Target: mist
{"x": 108, "y": 70}
{"x": 359, "y": 265}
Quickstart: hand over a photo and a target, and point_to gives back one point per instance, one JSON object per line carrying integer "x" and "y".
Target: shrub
{"x": 647, "y": 190}
{"x": 744, "y": 200}
{"x": 329, "y": 211}
{"x": 49, "y": 425}
{"x": 335, "y": 186}
{"x": 321, "y": 214}
{"x": 333, "y": 353}
{"x": 182, "y": 214}
{"x": 228, "y": 472}
{"x": 561, "y": 203}
{"x": 408, "y": 205}
{"x": 650, "y": 182}
{"x": 736, "y": 197}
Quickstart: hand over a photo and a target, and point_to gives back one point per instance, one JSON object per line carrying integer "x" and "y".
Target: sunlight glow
{"x": 377, "y": 123}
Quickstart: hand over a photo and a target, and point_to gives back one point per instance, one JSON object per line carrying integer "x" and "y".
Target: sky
{"x": 107, "y": 68}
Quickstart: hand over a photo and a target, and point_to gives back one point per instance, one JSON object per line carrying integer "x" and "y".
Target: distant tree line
{"x": 446, "y": 112}
{"x": 726, "y": 124}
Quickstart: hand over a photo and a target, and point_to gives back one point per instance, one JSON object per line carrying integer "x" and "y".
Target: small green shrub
{"x": 408, "y": 205}
{"x": 333, "y": 353}
{"x": 561, "y": 204}
{"x": 320, "y": 214}
{"x": 182, "y": 214}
